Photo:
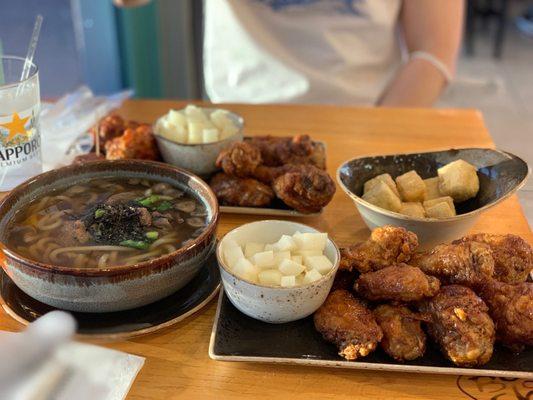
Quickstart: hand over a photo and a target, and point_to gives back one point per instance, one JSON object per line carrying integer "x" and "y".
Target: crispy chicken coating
{"x": 466, "y": 263}
{"x": 344, "y": 280}
{"x": 513, "y": 256}
{"x": 110, "y": 127}
{"x": 460, "y": 324}
{"x": 387, "y": 245}
{"x": 307, "y": 189}
{"x": 346, "y": 322}
{"x": 239, "y": 159}
{"x": 299, "y": 149}
{"x": 243, "y": 192}
{"x": 403, "y": 337}
{"x": 134, "y": 143}
{"x": 399, "y": 282}
{"x": 511, "y": 308}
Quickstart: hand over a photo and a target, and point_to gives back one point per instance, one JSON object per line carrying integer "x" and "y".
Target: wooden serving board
{"x": 177, "y": 361}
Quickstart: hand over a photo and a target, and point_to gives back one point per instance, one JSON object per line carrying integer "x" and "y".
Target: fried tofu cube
{"x": 445, "y": 199}
{"x": 458, "y": 180}
{"x": 439, "y": 210}
{"x": 385, "y": 178}
{"x": 411, "y": 187}
{"x": 432, "y": 188}
{"x": 381, "y": 195}
{"x": 413, "y": 209}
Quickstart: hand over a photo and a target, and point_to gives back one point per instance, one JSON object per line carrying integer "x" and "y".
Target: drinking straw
{"x": 31, "y": 51}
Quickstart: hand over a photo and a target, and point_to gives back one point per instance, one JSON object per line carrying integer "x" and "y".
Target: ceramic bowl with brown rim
{"x": 118, "y": 287}
{"x": 500, "y": 175}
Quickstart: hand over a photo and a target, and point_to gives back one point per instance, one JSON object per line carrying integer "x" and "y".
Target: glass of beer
{"x": 20, "y": 142}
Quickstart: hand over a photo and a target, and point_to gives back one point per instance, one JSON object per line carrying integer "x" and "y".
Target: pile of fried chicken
{"x": 261, "y": 168}
{"x": 120, "y": 139}
{"x": 465, "y": 295}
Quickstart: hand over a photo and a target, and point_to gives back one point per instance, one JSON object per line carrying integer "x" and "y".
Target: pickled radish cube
{"x": 298, "y": 259}
{"x": 289, "y": 267}
{"x": 285, "y": 243}
{"x": 232, "y": 255}
{"x": 176, "y": 118}
{"x": 320, "y": 263}
{"x": 288, "y": 281}
{"x": 220, "y": 118}
{"x": 210, "y": 135}
{"x": 196, "y": 134}
{"x": 308, "y": 253}
{"x": 300, "y": 279}
{"x": 269, "y": 246}
{"x": 194, "y": 113}
{"x": 252, "y": 248}
{"x": 281, "y": 255}
{"x": 246, "y": 270}
{"x": 311, "y": 241}
{"x": 263, "y": 259}
{"x": 270, "y": 277}
{"x": 171, "y": 132}
{"x": 311, "y": 276}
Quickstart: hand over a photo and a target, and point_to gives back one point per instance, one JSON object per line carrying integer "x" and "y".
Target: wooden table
{"x": 178, "y": 365}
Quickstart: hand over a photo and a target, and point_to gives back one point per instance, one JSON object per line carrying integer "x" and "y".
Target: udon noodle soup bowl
{"x": 113, "y": 288}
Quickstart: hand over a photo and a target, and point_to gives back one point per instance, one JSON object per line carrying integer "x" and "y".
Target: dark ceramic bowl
{"x": 500, "y": 175}
{"x": 120, "y": 287}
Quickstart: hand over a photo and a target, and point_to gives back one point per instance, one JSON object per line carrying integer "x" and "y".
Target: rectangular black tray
{"x": 237, "y": 337}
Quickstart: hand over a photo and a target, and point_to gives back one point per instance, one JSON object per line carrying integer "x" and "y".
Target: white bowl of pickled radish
{"x": 192, "y": 138}
{"x": 277, "y": 271}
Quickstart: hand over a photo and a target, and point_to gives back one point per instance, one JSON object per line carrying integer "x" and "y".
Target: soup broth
{"x": 106, "y": 222}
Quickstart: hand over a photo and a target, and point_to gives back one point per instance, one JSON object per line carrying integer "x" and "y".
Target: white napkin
{"x": 64, "y": 124}
{"x": 42, "y": 363}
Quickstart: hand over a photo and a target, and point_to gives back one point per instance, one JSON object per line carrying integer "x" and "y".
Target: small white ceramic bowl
{"x": 275, "y": 304}
{"x": 500, "y": 175}
{"x": 197, "y": 158}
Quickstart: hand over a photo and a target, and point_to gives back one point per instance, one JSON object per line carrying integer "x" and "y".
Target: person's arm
{"x": 432, "y": 27}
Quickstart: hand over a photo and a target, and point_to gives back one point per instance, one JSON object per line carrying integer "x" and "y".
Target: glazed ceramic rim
{"x": 393, "y": 214}
{"x": 237, "y": 117}
{"x": 222, "y": 263}
{"x": 112, "y": 166}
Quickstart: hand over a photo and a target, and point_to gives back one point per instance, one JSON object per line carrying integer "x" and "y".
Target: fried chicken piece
{"x": 403, "y": 337}
{"x": 466, "y": 263}
{"x": 513, "y": 256}
{"x": 299, "y": 149}
{"x": 399, "y": 282}
{"x": 460, "y": 324}
{"x": 239, "y": 159}
{"x": 387, "y": 245}
{"x": 511, "y": 308}
{"x": 243, "y": 192}
{"x": 134, "y": 143}
{"x": 344, "y": 280}
{"x": 110, "y": 127}
{"x": 346, "y": 322}
{"x": 307, "y": 189}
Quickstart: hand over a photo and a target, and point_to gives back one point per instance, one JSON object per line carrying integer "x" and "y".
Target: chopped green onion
{"x": 99, "y": 213}
{"x": 152, "y": 235}
{"x": 150, "y": 200}
{"x": 164, "y": 206}
{"x": 135, "y": 244}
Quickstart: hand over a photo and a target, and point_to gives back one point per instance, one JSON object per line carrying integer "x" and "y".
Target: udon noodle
{"x": 103, "y": 223}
